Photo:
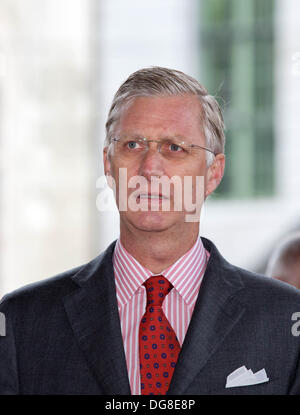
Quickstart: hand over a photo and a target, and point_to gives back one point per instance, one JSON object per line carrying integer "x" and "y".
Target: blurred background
{"x": 61, "y": 61}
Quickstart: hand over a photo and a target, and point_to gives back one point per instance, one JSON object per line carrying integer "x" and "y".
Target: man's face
{"x": 157, "y": 118}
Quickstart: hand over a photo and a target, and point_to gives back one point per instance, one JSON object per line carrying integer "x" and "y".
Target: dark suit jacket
{"x": 63, "y": 334}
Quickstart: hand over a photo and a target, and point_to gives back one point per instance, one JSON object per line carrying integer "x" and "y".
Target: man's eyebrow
{"x": 177, "y": 136}
{"x": 159, "y": 137}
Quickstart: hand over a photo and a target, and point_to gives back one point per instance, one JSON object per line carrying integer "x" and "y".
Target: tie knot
{"x": 157, "y": 288}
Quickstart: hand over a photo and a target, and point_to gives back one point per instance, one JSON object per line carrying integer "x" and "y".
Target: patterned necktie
{"x": 158, "y": 344}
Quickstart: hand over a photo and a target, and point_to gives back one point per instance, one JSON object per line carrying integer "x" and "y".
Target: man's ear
{"x": 107, "y": 166}
{"x": 106, "y": 161}
{"x": 215, "y": 174}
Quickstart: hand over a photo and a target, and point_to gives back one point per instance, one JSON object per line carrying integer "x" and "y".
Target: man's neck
{"x": 155, "y": 250}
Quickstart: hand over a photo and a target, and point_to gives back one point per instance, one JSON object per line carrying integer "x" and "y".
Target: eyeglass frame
{"x": 160, "y": 142}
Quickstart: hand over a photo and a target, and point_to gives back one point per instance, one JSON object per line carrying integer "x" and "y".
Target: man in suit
{"x": 160, "y": 311}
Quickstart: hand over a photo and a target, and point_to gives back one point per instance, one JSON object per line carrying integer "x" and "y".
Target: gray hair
{"x": 286, "y": 254}
{"x": 168, "y": 82}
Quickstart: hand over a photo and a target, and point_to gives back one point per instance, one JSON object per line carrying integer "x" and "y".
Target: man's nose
{"x": 152, "y": 163}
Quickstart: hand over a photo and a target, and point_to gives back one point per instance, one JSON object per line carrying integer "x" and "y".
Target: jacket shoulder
{"x": 53, "y": 289}
{"x": 270, "y": 290}
{"x": 49, "y": 288}
{"x": 258, "y": 289}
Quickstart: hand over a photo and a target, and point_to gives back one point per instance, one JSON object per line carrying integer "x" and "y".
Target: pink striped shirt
{"x": 185, "y": 275}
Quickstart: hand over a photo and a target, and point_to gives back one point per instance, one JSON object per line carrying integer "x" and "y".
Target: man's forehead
{"x": 173, "y": 115}
{"x": 188, "y": 101}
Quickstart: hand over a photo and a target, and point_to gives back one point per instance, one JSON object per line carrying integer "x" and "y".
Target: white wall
{"x": 46, "y": 182}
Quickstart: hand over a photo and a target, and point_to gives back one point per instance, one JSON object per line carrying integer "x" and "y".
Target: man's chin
{"x": 150, "y": 221}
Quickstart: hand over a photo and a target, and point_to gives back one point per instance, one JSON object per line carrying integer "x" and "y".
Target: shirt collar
{"x": 185, "y": 274}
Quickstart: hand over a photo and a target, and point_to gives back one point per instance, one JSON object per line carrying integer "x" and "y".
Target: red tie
{"x": 159, "y": 347}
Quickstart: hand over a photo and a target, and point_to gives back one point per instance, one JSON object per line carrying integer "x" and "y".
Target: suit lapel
{"x": 216, "y": 312}
{"x": 93, "y": 313}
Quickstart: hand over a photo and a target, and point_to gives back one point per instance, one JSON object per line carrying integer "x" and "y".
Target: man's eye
{"x": 132, "y": 145}
{"x": 175, "y": 147}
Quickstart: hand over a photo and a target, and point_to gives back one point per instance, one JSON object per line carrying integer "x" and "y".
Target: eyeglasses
{"x": 170, "y": 148}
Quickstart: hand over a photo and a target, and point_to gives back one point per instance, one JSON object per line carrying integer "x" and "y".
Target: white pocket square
{"x": 245, "y": 377}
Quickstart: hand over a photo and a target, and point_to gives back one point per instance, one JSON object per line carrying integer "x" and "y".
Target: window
{"x": 237, "y": 53}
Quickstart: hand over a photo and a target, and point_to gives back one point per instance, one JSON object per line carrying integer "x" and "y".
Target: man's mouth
{"x": 152, "y": 196}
